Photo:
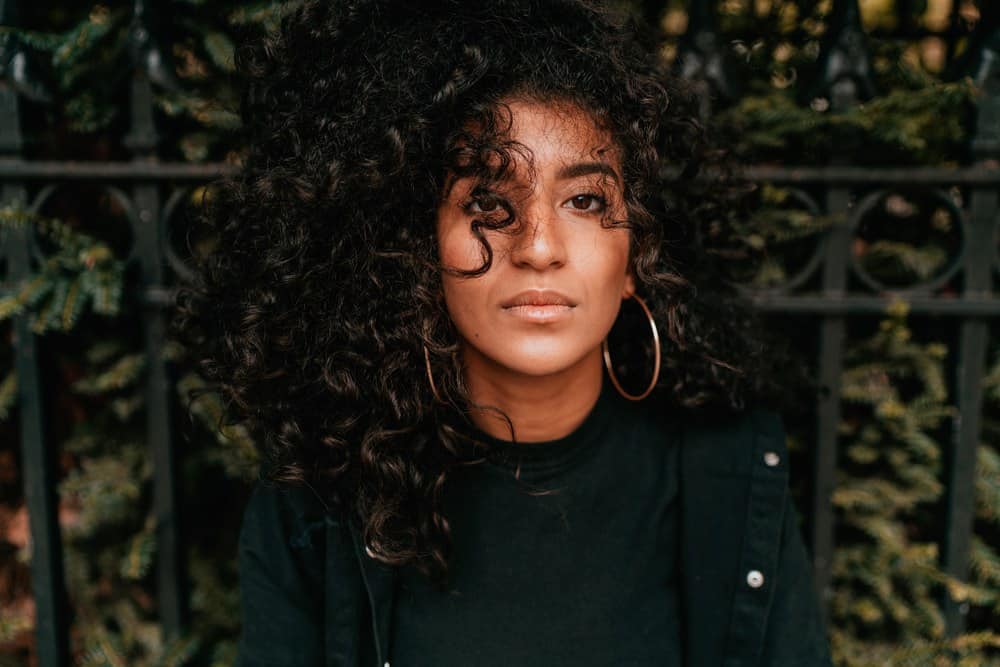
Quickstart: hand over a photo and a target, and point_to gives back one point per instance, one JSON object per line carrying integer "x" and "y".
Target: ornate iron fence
{"x": 149, "y": 192}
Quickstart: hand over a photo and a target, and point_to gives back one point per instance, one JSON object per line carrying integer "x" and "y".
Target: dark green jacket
{"x": 311, "y": 595}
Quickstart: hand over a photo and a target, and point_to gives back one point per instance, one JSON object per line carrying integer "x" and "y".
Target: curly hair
{"x": 311, "y": 315}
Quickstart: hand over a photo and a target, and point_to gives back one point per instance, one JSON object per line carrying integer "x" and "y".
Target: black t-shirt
{"x": 583, "y": 576}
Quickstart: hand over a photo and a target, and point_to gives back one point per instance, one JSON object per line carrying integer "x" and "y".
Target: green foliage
{"x": 772, "y": 50}
{"x": 83, "y": 272}
{"x": 884, "y": 572}
{"x": 886, "y": 577}
{"x": 897, "y": 413}
{"x": 88, "y": 57}
{"x": 901, "y": 127}
{"x": 773, "y": 242}
{"x": 108, "y": 525}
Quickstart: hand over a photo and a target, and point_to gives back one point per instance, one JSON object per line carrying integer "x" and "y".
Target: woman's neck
{"x": 541, "y": 408}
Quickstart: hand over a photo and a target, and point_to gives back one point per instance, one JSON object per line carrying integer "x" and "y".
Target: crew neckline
{"x": 548, "y": 454}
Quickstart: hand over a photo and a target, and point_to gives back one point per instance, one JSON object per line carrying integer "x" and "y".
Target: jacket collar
{"x": 734, "y": 481}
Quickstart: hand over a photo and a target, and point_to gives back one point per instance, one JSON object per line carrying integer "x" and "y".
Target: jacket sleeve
{"x": 796, "y": 635}
{"x": 280, "y": 557}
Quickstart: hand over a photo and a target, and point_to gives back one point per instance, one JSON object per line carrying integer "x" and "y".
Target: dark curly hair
{"x": 311, "y": 315}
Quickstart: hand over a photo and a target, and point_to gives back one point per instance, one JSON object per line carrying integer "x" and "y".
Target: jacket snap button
{"x": 755, "y": 578}
{"x": 771, "y": 459}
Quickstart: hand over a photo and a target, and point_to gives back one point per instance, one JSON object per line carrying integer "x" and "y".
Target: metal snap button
{"x": 771, "y": 459}
{"x": 755, "y": 578}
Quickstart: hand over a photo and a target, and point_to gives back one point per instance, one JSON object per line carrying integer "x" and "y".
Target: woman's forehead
{"x": 553, "y": 138}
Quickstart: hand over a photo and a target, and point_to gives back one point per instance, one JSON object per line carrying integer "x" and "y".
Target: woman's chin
{"x": 540, "y": 362}
{"x": 539, "y": 369}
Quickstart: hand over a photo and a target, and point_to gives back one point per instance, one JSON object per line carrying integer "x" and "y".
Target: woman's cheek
{"x": 465, "y": 304}
{"x": 458, "y": 247}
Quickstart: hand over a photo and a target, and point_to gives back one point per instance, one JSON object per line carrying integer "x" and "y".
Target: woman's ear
{"x": 629, "y": 289}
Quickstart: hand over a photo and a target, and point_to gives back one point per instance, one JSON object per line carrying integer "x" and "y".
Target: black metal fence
{"x": 149, "y": 191}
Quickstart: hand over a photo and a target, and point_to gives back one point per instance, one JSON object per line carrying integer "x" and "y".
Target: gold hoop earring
{"x": 430, "y": 377}
{"x": 656, "y": 362}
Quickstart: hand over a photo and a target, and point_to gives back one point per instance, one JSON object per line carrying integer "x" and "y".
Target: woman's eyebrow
{"x": 567, "y": 172}
{"x": 585, "y": 169}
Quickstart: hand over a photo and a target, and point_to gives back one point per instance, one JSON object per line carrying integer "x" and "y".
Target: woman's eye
{"x": 483, "y": 205}
{"x": 588, "y": 202}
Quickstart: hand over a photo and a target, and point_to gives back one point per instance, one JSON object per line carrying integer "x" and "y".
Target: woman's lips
{"x": 538, "y": 297}
{"x": 546, "y": 313}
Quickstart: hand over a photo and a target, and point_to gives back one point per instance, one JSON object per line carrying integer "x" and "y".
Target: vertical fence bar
{"x": 961, "y": 469}
{"x": 974, "y": 334}
{"x": 831, "y": 362}
{"x": 47, "y": 575}
{"x": 844, "y": 78}
{"x": 149, "y": 65}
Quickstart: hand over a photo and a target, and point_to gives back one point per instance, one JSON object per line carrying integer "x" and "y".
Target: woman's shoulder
{"x": 733, "y": 442}
{"x": 297, "y": 579}
{"x": 291, "y": 514}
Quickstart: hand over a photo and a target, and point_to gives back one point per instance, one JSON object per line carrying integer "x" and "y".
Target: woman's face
{"x": 574, "y": 182}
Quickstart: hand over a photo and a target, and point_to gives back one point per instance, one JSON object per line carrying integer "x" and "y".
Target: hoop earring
{"x": 656, "y": 362}
{"x": 430, "y": 377}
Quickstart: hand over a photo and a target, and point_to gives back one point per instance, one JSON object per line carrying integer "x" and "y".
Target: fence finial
{"x": 981, "y": 62}
{"x": 17, "y": 70}
{"x": 699, "y": 55}
{"x": 151, "y": 66}
{"x": 844, "y": 65}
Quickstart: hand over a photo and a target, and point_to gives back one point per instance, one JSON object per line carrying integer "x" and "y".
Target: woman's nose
{"x": 538, "y": 241}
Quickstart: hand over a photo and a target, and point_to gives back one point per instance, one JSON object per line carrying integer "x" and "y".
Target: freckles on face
{"x": 560, "y": 189}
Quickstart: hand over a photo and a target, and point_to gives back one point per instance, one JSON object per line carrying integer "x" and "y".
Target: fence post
{"x": 150, "y": 65}
{"x": 981, "y": 64}
{"x": 843, "y": 78}
{"x": 47, "y": 575}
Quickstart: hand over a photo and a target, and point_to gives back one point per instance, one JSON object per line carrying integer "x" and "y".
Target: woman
{"x": 499, "y": 427}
